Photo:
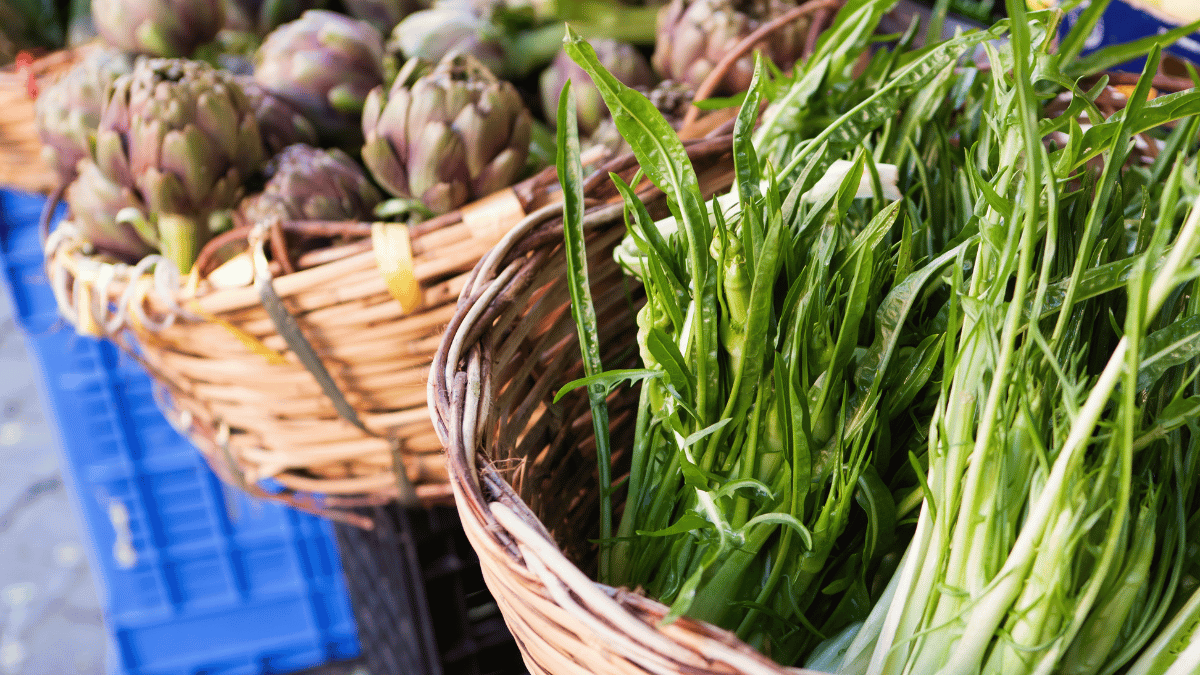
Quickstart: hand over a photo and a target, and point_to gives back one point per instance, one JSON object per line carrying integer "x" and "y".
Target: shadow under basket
{"x": 419, "y": 598}
{"x": 523, "y": 468}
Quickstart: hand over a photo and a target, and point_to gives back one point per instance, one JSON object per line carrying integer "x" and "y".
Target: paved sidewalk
{"x": 50, "y": 619}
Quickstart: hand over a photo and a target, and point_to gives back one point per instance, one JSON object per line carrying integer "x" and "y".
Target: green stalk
{"x": 570, "y": 176}
{"x": 180, "y": 238}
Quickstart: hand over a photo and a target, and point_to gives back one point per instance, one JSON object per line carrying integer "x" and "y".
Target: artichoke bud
{"x": 308, "y": 183}
{"x": 183, "y": 136}
{"x": 454, "y": 134}
{"x": 625, "y": 63}
{"x": 324, "y": 64}
{"x": 169, "y": 28}
{"x": 433, "y": 34}
{"x": 694, "y": 35}
{"x": 95, "y": 203}
{"x": 68, "y": 112}
{"x": 279, "y": 123}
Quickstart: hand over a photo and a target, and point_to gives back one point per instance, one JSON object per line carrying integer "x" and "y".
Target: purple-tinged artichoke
{"x": 310, "y": 183}
{"x": 95, "y": 202}
{"x": 693, "y": 36}
{"x": 624, "y": 61}
{"x": 324, "y": 64}
{"x": 279, "y": 123}
{"x": 68, "y": 111}
{"x": 171, "y": 28}
{"x": 455, "y": 134}
{"x": 433, "y": 34}
{"x": 184, "y": 137}
{"x": 383, "y": 14}
{"x": 672, "y": 99}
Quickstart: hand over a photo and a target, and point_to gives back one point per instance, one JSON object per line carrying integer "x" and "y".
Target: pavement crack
{"x": 35, "y": 490}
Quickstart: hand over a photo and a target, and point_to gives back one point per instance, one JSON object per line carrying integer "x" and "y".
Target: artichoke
{"x": 383, "y": 14}
{"x": 184, "y": 137}
{"x": 436, "y": 33}
{"x": 672, "y": 100}
{"x": 309, "y": 183}
{"x": 68, "y": 111}
{"x": 624, "y": 61}
{"x": 279, "y": 124}
{"x": 324, "y": 64}
{"x": 693, "y": 35}
{"x": 444, "y": 138}
{"x": 95, "y": 202}
{"x": 172, "y": 28}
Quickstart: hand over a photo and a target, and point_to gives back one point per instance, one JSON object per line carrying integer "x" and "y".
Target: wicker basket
{"x": 523, "y": 469}
{"x": 324, "y": 395}
{"x": 21, "y": 163}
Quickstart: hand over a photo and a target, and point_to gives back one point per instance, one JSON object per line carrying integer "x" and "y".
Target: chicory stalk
{"x": 1021, "y": 555}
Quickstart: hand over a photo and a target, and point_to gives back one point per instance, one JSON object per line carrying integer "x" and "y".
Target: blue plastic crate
{"x": 194, "y": 577}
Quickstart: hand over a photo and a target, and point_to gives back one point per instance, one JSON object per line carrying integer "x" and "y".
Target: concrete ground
{"x": 50, "y": 617}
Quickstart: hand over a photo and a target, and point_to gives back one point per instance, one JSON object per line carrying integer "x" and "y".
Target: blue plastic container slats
{"x": 1122, "y": 23}
{"x": 195, "y": 577}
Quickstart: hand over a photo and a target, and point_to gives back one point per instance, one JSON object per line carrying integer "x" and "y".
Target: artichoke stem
{"x": 180, "y": 239}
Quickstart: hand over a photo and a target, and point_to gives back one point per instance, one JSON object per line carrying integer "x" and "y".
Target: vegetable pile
{"x": 170, "y": 128}
{"x": 920, "y": 394}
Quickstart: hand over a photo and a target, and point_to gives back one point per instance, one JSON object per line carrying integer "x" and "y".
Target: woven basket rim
{"x": 502, "y": 527}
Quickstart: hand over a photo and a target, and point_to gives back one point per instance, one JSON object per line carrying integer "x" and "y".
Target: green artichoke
{"x": 68, "y": 111}
{"x": 624, "y": 61}
{"x": 432, "y": 34}
{"x": 309, "y": 183}
{"x": 693, "y": 36}
{"x": 184, "y": 137}
{"x": 171, "y": 28}
{"x": 324, "y": 64}
{"x": 95, "y": 203}
{"x": 455, "y": 134}
{"x": 279, "y": 123}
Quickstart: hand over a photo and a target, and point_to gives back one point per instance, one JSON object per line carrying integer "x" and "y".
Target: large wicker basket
{"x": 523, "y": 468}
{"x": 21, "y": 163}
{"x": 319, "y": 400}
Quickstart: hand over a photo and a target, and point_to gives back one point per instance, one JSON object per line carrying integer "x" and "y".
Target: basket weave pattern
{"x": 523, "y": 468}
{"x": 245, "y": 398}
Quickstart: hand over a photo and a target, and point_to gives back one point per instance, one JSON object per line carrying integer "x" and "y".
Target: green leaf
{"x": 686, "y": 523}
{"x": 570, "y": 176}
{"x": 609, "y": 379}
{"x": 667, "y": 353}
